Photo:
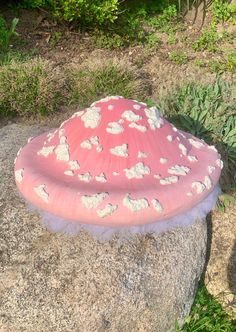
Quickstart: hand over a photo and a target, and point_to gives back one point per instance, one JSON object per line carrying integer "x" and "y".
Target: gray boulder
{"x": 52, "y": 282}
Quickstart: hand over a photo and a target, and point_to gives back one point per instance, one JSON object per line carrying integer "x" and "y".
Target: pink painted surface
{"x": 63, "y": 193}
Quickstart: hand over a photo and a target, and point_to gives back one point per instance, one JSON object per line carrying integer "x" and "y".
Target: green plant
{"x": 172, "y": 39}
{"x": 178, "y": 57}
{"x": 223, "y": 11}
{"x": 95, "y": 80}
{"x": 208, "y": 112}
{"x": 166, "y": 21}
{"x": 228, "y": 63}
{"x": 6, "y": 34}
{"x": 199, "y": 63}
{"x": 206, "y": 315}
{"x": 153, "y": 41}
{"x": 55, "y": 38}
{"x": 208, "y": 40}
{"x": 30, "y": 88}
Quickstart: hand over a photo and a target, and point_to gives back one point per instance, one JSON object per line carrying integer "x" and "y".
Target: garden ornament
{"x": 118, "y": 166}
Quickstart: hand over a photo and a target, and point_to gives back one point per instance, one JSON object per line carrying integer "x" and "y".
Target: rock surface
{"x": 220, "y": 278}
{"x": 50, "y": 282}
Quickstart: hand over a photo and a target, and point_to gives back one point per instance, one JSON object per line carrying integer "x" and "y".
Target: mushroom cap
{"x": 117, "y": 163}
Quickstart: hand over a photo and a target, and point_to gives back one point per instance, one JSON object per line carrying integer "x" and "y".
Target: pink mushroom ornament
{"x": 118, "y": 166}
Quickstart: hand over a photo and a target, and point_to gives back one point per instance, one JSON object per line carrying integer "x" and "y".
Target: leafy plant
{"x": 165, "y": 20}
{"x": 153, "y": 41}
{"x": 30, "y": 88}
{"x": 223, "y": 11}
{"x": 6, "y": 34}
{"x": 208, "y": 112}
{"x": 207, "y": 315}
{"x": 208, "y": 40}
{"x": 178, "y": 57}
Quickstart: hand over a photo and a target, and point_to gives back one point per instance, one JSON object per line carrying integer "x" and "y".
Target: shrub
{"x": 30, "y": 88}
{"x": 6, "y": 34}
{"x": 96, "y": 79}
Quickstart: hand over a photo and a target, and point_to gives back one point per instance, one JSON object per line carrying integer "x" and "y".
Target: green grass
{"x": 30, "y": 88}
{"x": 207, "y": 315}
{"x": 179, "y": 57}
{"x": 93, "y": 81}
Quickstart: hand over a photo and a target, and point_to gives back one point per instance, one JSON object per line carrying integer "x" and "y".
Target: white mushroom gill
{"x": 135, "y": 205}
{"x": 131, "y": 116}
{"x": 198, "y": 186}
{"x": 108, "y": 210}
{"x": 120, "y": 150}
{"x": 91, "y": 117}
{"x": 19, "y": 175}
{"x": 114, "y": 128}
{"x": 141, "y": 128}
{"x": 154, "y": 119}
{"x": 41, "y": 192}
{"x": 169, "y": 180}
{"x": 46, "y": 151}
{"x": 157, "y": 205}
{"x": 179, "y": 170}
{"x": 137, "y": 171}
{"x": 92, "y": 201}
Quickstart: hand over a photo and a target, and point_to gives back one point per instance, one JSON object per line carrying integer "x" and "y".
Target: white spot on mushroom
{"x": 74, "y": 165}
{"x": 174, "y": 128}
{"x": 110, "y": 107}
{"x": 19, "y": 175}
{"x": 41, "y": 192}
{"x": 157, "y": 205}
{"x": 157, "y": 176}
{"x": 179, "y": 170}
{"x": 169, "y": 180}
{"x": 131, "y": 116}
{"x": 183, "y": 149}
{"x": 192, "y": 159}
{"x": 207, "y": 182}
{"x": 154, "y": 119}
{"x": 114, "y": 128}
{"x": 69, "y": 173}
{"x": 107, "y": 210}
{"x": 94, "y": 140}
{"x": 211, "y": 169}
{"x": 86, "y": 144}
{"x": 99, "y": 148}
{"x": 212, "y": 147}
{"x": 163, "y": 160}
{"x": 101, "y": 178}
{"x": 50, "y": 136}
{"x": 91, "y": 117}
{"x": 86, "y": 177}
{"x": 115, "y": 173}
{"x": 138, "y": 171}
{"x": 62, "y": 150}
{"x": 169, "y": 138}
{"x": 92, "y": 201}
{"x": 46, "y": 151}
{"x": 195, "y": 143}
{"x": 137, "y": 107}
{"x": 61, "y": 132}
{"x": 178, "y": 139}
{"x": 198, "y": 186}
{"x": 19, "y": 151}
{"x": 135, "y": 205}
{"x": 120, "y": 150}
{"x": 189, "y": 194}
{"x": 77, "y": 114}
{"x": 29, "y": 139}
{"x": 142, "y": 154}
{"x": 141, "y": 128}
{"x": 219, "y": 163}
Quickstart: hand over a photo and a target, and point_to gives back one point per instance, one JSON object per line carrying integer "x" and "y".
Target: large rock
{"x": 52, "y": 282}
